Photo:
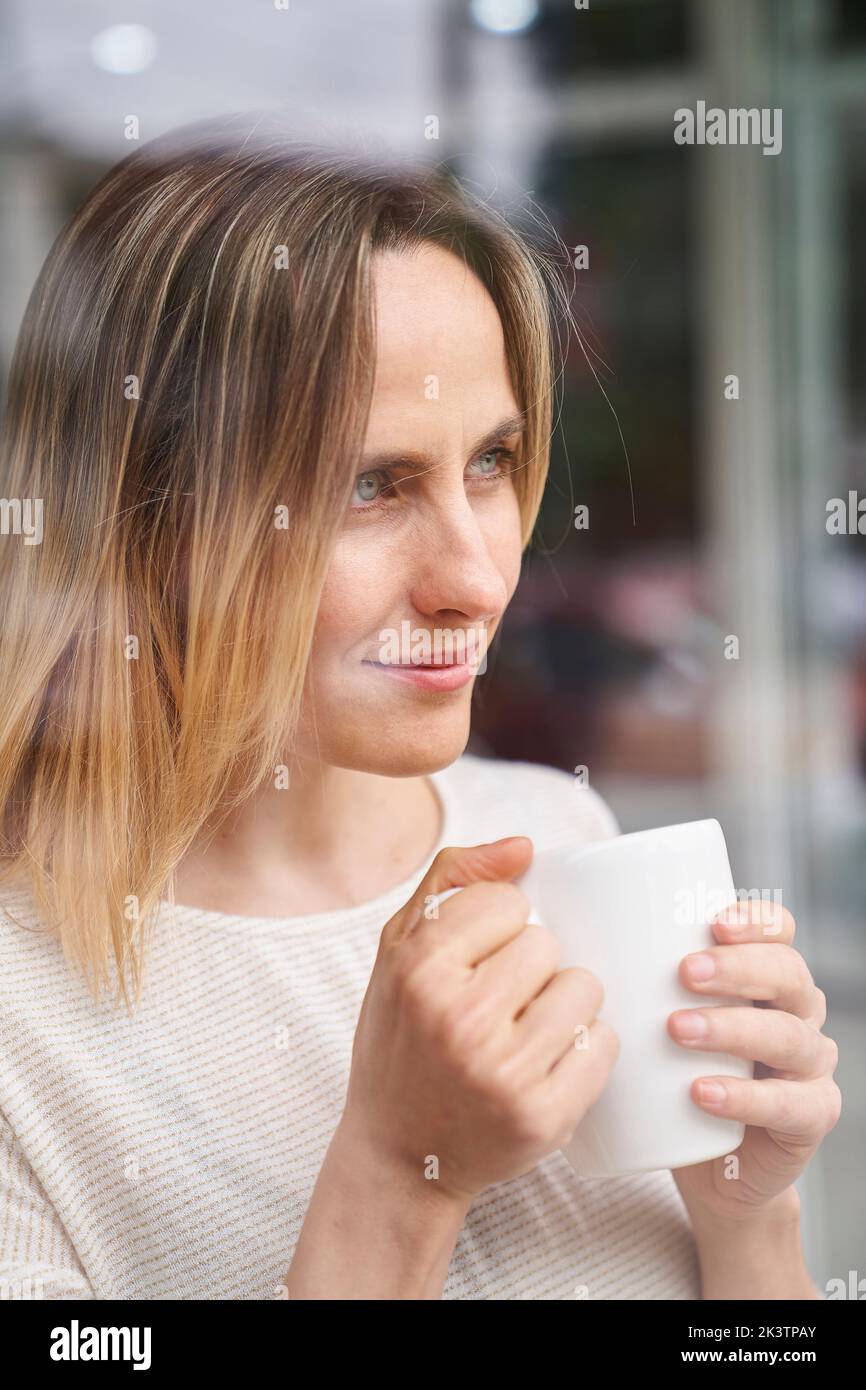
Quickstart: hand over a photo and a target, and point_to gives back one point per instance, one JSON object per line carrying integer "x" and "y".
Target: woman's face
{"x": 429, "y": 553}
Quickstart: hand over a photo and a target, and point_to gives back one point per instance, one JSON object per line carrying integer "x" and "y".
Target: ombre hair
{"x": 196, "y": 361}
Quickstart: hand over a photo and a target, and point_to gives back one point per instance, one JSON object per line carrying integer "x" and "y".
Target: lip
{"x": 451, "y": 677}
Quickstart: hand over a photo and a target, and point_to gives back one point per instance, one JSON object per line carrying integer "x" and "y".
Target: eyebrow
{"x": 412, "y": 458}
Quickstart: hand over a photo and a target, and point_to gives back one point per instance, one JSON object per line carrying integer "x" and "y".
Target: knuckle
{"x": 800, "y": 970}
{"x": 795, "y": 1037}
{"x": 512, "y": 1075}
{"x": 447, "y": 859}
{"x": 510, "y": 899}
{"x": 786, "y": 1106}
{"x": 832, "y": 1049}
{"x": 834, "y": 1106}
{"x": 820, "y": 1006}
{"x": 545, "y": 945}
{"x": 463, "y": 1028}
{"x": 492, "y": 896}
{"x": 507, "y": 1093}
{"x": 417, "y": 987}
{"x": 588, "y": 985}
{"x": 445, "y": 856}
{"x": 400, "y": 958}
{"x": 403, "y": 964}
{"x": 784, "y": 1034}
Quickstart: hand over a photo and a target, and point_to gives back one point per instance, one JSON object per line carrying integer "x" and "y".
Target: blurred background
{"x": 707, "y": 515}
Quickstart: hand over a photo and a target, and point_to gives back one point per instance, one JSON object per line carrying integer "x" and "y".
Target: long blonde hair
{"x": 196, "y": 361}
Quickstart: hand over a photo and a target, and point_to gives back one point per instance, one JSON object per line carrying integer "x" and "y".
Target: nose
{"x": 455, "y": 567}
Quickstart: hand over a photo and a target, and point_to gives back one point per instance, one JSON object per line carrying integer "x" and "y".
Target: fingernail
{"x": 700, "y": 967}
{"x": 690, "y": 1025}
{"x": 711, "y": 1093}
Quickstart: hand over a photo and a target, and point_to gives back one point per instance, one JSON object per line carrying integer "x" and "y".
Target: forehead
{"x": 439, "y": 342}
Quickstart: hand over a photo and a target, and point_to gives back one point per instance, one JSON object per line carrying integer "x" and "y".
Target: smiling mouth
{"x": 440, "y": 675}
{"x": 420, "y": 665}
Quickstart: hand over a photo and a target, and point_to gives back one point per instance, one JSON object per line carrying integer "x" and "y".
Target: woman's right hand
{"x": 469, "y": 1047}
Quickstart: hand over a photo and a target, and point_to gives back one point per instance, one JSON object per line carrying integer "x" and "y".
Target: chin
{"x": 411, "y": 747}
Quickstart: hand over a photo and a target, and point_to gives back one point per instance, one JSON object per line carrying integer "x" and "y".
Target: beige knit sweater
{"x": 173, "y": 1154}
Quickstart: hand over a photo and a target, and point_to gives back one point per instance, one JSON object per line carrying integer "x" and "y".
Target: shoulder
{"x": 549, "y": 805}
{"x": 31, "y": 956}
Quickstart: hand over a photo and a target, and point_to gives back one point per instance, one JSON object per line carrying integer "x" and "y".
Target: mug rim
{"x": 611, "y": 841}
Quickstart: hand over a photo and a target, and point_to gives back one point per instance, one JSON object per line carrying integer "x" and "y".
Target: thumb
{"x": 459, "y": 865}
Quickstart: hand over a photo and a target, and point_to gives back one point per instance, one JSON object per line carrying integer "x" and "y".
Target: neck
{"x": 335, "y": 837}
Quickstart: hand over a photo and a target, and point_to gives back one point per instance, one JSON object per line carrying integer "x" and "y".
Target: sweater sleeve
{"x": 37, "y": 1259}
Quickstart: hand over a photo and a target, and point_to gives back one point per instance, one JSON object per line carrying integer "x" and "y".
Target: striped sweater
{"x": 171, "y": 1154}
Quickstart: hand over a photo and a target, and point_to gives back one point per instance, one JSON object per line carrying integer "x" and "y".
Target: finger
{"x": 475, "y": 923}
{"x": 457, "y": 867}
{"x": 777, "y": 975}
{"x": 519, "y": 969}
{"x": 559, "y": 1017}
{"x": 580, "y": 1075}
{"x": 778, "y": 1040}
{"x": 800, "y": 1110}
{"x": 755, "y": 920}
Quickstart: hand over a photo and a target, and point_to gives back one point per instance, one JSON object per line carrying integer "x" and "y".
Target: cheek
{"x": 503, "y": 541}
{"x": 355, "y": 594}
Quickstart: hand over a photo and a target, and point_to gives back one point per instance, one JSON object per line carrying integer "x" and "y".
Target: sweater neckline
{"x": 184, "y": 914}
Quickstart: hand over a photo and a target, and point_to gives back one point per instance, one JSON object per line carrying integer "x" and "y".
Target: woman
{"x": 287, "y": 415}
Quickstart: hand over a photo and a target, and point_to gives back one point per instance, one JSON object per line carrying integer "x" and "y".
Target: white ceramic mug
{"x": 628, "y": 909}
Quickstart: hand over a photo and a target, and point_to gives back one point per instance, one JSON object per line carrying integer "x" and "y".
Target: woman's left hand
{"x": 793, "y": 1101}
